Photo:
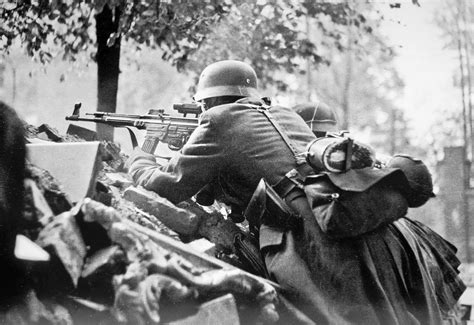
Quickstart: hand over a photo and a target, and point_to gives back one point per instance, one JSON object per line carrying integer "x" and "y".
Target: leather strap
{"x": 293, "y": 179}
{"x": 300, "y": 160}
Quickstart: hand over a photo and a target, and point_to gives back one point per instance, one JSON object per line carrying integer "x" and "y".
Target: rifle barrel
{"x": 139, "y": 116}
{"x": 126, "y": 121}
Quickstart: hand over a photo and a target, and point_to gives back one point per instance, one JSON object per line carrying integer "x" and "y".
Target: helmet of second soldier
{"x": 319, "y": 117}
{"x": 227, "y": 78}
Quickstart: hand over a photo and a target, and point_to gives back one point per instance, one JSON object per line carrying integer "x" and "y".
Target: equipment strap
{"x": 132, "y": 137}
{"x": 300, "y": 160}
{"x": 295, "y": 177}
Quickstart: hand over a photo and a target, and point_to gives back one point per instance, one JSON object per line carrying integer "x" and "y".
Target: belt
{"x": 292, "y": 180}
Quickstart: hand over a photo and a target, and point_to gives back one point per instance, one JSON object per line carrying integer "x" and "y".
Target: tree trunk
{"x": 467, "y": 51}
{"x": 465, "y": 202}
{"x": 108, "y": 60}
{"x": 346, "y": 91}
{"x": 393, "y": 130}
{"x": 309, "y": 76}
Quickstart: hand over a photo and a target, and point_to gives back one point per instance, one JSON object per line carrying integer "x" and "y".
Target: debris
{"x": 180, "y": 220}
{"x": 106, "y": 258}
{"x": 86, "y": 134}
{"x": 120, "y": 180}
{"x": 203, "y": 245}
{"x": 112, "y": 253}
{"x": 150, "y": 253}
{"x": 50, "y": 133}
{"x": 36, "y": 210}
{"x": 222, "y": 310}
{"x": 27, "y": 250}
{"x": 65, "y": 161}
{"x": 52, "y": 190}
{"x": 63, "y": 238}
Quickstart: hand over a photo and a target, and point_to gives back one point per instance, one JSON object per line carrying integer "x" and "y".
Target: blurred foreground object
{"x": 12, "y": 174}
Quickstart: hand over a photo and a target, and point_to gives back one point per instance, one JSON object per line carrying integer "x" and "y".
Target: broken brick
{"x": 107, "y": 258}
{"x": 63, "y": 238}
{"x": 203, "y": 245}
{"x": 222, "y": 310}
{"x": 180, "y": 220}
{"x": 53, "y": 191}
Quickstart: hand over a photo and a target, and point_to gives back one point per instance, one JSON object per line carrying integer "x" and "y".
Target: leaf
{"x": 112, "y": 38}
{"x": 148, "y": 13}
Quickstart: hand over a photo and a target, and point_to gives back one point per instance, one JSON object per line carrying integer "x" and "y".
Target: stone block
{"x": 38, "y": 207}
{"x": 63, "y": 239}
{"x": 52, "y": 190}
{"x": 82, "y": 132}
{"x": 222, "y": 311}
{"x": 106, "y": 258}
{"x": 180, "y": 220}
{"x": 27, "y": 250}
{"x": 46, "y": 132}
{"x": 75, "y": 165}
{"x": 203, "y": 245}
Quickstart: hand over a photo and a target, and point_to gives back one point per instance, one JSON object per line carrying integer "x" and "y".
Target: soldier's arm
{"x": 196, "y": 165}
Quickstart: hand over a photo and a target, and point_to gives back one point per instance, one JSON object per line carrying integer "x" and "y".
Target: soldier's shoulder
{"x": 224, "y": 112}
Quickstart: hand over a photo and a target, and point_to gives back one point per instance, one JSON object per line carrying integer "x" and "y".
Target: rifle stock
{"x": 160, "y": 127}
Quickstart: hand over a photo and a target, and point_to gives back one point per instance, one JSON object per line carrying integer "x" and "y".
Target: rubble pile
{"x": 122, "y": 254}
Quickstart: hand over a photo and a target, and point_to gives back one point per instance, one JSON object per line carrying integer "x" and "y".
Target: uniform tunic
{"x": 376, "y": 278}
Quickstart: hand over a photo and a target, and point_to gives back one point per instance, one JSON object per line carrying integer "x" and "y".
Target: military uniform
{"x": 372, "y": 279}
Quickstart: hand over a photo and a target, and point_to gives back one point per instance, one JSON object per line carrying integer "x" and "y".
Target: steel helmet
{"x": 319, "y": 117}
{"x": 419, "y": 179}
{"x": 227, "y": 78}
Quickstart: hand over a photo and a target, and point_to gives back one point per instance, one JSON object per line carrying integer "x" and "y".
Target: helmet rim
{"x": 218, "y": 91}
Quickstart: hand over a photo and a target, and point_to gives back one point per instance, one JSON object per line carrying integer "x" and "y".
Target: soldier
{"x": 238, "y": 142}
{"x": 437, "y": 254}
{"x": 319, "y": 117}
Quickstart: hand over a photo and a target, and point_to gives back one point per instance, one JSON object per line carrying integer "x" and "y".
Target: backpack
{"x": 345, "y": 203}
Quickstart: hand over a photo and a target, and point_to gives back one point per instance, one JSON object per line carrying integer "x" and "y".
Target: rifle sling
{"x": 295, "y": 177}
{"x": 132, "y": 137}
{"x": 300, "y": 160}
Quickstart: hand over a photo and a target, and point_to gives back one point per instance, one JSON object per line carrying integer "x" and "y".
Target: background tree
{"x": 364, "y": 90}
{"x": 328, "y": 50}
{"x": 269, "y": 34}
{"x": 456, "y": 18}
{"x": 96, "y": 28}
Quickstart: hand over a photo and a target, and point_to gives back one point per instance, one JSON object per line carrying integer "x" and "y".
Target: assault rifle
{"x": 174, "y": 131}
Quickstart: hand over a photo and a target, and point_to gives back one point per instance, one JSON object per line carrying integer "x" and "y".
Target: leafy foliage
{"x": 271, "y": 36}
{"x": 268, "y": 34}
{"x": 41, "y": 24}
{"x": 176, "y": 27}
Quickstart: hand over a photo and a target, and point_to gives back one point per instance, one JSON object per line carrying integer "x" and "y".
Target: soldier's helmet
{"x": 318, "y": 116}
{"x": 227, "y": 78}
{"x": 419, "y": 179}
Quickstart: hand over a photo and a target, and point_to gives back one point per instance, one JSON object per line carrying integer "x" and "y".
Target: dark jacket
{"x": 372, "y": 279}
{"x": 234, "y": 144}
